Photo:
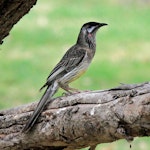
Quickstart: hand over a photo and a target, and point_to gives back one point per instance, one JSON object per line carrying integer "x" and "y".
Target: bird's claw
{"x": 66, "y": 94}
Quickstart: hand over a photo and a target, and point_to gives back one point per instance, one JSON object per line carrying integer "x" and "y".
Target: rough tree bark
{"x": 80, "y": 120}
{"x": 11, "y": 11}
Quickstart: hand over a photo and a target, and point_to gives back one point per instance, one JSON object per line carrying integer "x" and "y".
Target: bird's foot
{"x": 71, "y": 91}
{"x": 86, "y": 91}
{"x": 66, "y": 94}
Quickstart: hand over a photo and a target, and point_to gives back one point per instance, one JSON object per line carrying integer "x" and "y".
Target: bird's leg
{"x": 68, "y": 89}
{"x": 73, "y": 90}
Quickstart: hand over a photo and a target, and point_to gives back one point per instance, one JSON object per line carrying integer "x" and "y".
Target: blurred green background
{"x": 39, "y": 40}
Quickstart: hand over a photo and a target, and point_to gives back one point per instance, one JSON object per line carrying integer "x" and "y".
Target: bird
{"x": 72, "y": 65}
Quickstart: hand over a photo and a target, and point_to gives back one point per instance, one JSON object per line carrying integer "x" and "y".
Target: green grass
{"x": 41, "y": 38}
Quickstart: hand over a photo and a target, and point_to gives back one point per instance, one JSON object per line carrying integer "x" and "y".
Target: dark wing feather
{"x": 69, "y": 61}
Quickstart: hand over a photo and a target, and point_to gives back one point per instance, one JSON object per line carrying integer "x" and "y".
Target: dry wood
{"x": 11, "y": 11}
{"x": 80, "y": 120}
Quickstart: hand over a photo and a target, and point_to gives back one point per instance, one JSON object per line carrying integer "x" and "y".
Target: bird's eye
{"x": 90, "y": 29}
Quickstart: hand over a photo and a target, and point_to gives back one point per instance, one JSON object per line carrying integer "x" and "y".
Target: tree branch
{"x": 80, "y": 120}
{"x": 11, "y": 11}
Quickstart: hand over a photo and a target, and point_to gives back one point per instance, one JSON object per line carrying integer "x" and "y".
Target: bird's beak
{"x": 95, "y": 27}
{"x": 99, "y": 26}
{"x": 102, "y": 24}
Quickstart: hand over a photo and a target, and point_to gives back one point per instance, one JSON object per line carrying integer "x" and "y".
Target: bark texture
{"x": 11, "y": 11}
{"x": 80, "y": 120}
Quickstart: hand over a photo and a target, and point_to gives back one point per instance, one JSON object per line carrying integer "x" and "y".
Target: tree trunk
{"x": 11, "y": 11}
{"x": 80, "y": 120}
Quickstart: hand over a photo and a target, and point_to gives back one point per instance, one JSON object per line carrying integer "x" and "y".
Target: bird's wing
{"x": 70, "y": 60}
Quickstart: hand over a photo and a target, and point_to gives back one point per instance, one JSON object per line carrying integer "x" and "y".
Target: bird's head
{"x": 88, "y": 32}
{"x": 91, "y": 27}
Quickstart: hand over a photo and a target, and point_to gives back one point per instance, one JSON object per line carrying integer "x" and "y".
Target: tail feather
{"x": 49, "y": 92}
{"x": 43, "y": 87}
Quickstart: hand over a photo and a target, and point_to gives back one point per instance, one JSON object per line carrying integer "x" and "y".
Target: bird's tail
{"x": 49, "y": 92}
